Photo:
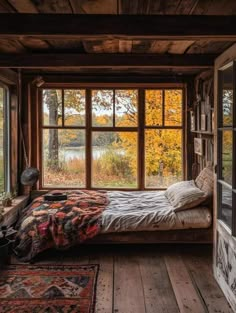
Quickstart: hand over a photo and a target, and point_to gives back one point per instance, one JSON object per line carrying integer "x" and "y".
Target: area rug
{"x": 48, "y": 288}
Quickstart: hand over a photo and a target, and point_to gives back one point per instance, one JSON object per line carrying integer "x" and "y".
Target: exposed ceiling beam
{"x": 106, "y": 61}
{"x": 158, "y": 27}
{"x": 8, "y": 76}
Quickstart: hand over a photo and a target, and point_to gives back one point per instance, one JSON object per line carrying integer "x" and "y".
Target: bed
{"x": 131, "y": 217}
{"x": 116, "y": 217}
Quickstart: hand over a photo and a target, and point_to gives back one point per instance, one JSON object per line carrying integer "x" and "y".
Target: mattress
{"x": 149, "y": 211}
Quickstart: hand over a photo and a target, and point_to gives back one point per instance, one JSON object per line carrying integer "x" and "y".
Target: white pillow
{"x": 185, "y": 195}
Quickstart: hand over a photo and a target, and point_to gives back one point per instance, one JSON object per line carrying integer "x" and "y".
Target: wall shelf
{"x": 201, "y": 132}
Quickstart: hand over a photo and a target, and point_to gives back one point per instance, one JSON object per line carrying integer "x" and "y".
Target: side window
{"x": 4, "y": 140}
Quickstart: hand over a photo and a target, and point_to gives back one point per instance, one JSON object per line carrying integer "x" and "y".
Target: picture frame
{"x": 198, "y": 146}
{"x": 203, "y": 122}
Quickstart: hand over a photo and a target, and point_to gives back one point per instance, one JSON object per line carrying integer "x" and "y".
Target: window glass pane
{"x": 227, "y": 165}
{"x": 74, "y": 107}
{"x": 227, "y": 96}
{"x": 226, "y": 205}
{"x": 102, "y": 108}
{"x": 1, "y": 140}
{"x": 173, "y": 107}
{"x": 163, "y": 157}
{"x": 114, "y": 159}
{"x": 63, "y": 158}
{"x": 126, "y": 104}
{"x": 153, "y": 107}
{"x": 52, "y": 107}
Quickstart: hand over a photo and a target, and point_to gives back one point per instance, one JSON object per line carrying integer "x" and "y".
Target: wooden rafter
{"x": 106, "y": 61}
{"x": 158, "y": 27}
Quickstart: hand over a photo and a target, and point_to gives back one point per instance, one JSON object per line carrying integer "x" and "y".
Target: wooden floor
{"x": 149, "y": 278}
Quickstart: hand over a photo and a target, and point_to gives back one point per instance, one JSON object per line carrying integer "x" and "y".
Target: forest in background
{"x": 116, "y": 163}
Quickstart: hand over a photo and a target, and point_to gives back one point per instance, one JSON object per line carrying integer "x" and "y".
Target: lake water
{"x": 79, "y": 153}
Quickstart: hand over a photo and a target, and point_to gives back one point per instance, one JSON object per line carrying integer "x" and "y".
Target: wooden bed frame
{"x": 193, "y": 235}
{"x": 203, "y": 235}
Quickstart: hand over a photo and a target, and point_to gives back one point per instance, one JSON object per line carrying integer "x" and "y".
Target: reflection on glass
{"x": 153, "y": 107}
{"x": 1, "y": 139}
{"x": 114, "y": 159}
{"x": 102, "y": 108}
{"x": 227, "y": 95}
{"x": 126, "y": 104}
{"x": 163, "y": 157}
{"x": 227, "y": 165}
{"x": 52, "y": 107}
{"x": 226, "y": 205}
{"x": 173, "y": 107}
{"x": 74, "y": 107}
{"x": 63, "y": 158}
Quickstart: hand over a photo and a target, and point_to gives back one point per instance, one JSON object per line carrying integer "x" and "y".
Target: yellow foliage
{"x": 163, "y": 147}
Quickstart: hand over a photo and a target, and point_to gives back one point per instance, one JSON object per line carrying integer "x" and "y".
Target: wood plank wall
{"x": 201, "y": 124}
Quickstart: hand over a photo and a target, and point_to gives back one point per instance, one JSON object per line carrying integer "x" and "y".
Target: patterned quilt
{"x": 59, "y": 224}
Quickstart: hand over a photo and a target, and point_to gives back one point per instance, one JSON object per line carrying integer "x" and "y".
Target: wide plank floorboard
{"x": 186, "y": 295}
{"x": 207, "y": 286}
{"x": 128, "y": 287}
{"x": 148, "y": 278}
{"x": 158, "y": 292}
{"x": 104, "y": 303}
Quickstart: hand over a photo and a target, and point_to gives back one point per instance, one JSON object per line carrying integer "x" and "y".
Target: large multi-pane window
{"x": 4, "y": 144}
{"x": 111, "y": 138}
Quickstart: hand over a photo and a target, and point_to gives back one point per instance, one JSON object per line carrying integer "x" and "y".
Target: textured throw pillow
{"x": 205, "y": 181}
{"x": 185, "y": 195}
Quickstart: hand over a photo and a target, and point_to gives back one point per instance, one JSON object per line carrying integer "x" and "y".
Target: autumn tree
{"x": 74, "y": 115}
{"x": 52, "y": 99}
{"x": 163, "y": 147}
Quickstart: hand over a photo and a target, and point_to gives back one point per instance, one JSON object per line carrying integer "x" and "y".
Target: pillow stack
{"x": 189, "y": 194}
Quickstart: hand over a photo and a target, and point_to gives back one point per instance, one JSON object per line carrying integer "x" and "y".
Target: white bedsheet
{"x": 149, "y": 210}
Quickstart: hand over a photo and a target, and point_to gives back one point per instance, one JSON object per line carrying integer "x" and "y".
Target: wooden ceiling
{"x": 33, "y": 45}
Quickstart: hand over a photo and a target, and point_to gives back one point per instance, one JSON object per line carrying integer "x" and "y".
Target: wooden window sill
{"x": 10, "y": 214}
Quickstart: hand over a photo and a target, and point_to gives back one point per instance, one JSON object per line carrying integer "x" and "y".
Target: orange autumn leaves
{"x": 163, "y": 147}
{"x": 119, "y": 108}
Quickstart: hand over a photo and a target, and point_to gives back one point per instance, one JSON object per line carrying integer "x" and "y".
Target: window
{"x": 226, "y": 141}
{"x": 163, "y": 137}
{"x": 4, "y": 141}
{"x": 111, "y": 138}
{"x": 63, "y": 138}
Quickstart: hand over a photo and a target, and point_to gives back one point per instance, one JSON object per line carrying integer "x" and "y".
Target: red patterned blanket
{"x": 59, "y": 224}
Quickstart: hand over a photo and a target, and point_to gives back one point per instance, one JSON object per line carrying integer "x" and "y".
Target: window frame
{"x": 220, "y": 129}
{"x": 89, "y": 129}
{"x": 6, "y": 138}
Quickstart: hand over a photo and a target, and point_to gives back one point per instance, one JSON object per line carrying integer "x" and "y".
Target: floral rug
{"x": 48, "y": 288}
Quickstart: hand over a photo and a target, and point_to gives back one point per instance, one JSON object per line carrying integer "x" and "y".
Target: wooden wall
{"x": 201, "y": 122}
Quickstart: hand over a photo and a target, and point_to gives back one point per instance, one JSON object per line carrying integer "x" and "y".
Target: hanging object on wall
{"x": 31, "y": 174}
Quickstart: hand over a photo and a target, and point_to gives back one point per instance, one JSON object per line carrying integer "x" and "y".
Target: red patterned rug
{"x": 48, "y": 288}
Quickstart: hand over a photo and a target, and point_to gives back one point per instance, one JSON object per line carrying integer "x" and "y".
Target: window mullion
{"x": 163, "y": 108}
{"x": 141, "y": 139}
{"x": 114, "y": 109}
{"x": 62, "y": 109}
{"x": 88, "y": 139}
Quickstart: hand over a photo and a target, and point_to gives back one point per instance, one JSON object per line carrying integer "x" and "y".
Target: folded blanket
{"x": 59, "y": 224}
